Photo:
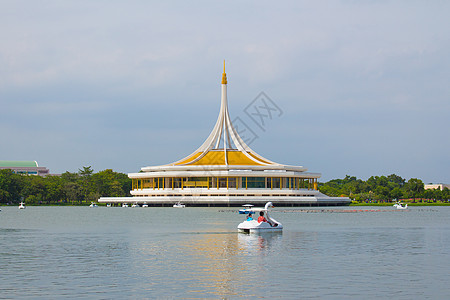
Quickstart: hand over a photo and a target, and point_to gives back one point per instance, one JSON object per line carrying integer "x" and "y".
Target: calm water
{"x": 138, "y": 253}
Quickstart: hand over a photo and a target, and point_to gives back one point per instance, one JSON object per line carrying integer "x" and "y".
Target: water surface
{"x": 99, "y": 253}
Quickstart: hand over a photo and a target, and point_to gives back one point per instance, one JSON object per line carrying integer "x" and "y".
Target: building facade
{"x": 24, "y": 167}
{"x": 225, "y": 171}
{"x": 433, "y": 186}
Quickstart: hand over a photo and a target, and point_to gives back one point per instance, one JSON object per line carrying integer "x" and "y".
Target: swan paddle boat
{"x": 135, "y": 205}
{"x": 22, "y": 205}
{"x": 145, "y": 204}
{"x": 400, "y": 206}
{"x": 252, "y": 226}
{"x": 93, "y": 205}
{"x": 179, "y": 205}
{"x": 247, "y": 208}
{"x": 124, "y": 204}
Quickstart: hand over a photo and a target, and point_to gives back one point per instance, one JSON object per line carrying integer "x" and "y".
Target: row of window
{"x": 225, "y": 182}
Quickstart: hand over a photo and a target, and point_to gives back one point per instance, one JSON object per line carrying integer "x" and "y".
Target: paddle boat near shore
{"x": 399, "y": 205}
{"x": 247, "y": 208}
{"x": 93, "y": 205}
{"x": 22, "y": 205}
{"x": 179, "y": 205}
{"x": 253, "y": 226}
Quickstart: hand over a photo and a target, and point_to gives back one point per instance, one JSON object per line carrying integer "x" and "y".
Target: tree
{"x": 10, "y": 185}
{"x": 34, "y": 189}
{"x": 86, "y": 171}
{"x": 396, "y": 193}
{"x": 86, "y": 183}
{"x": 110, "y": 183}
{"x": 72, "y": 191}
{"x": 396, "y": 179}
{"x": 382, "y": 192}
{"x": 446, "y": 194}
{"x": 415, "y": 187}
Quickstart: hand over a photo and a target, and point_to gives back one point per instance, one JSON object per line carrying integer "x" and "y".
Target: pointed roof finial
{"x": 224, "y": 75}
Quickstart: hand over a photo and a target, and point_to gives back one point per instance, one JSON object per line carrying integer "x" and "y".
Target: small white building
{"x": 433, "y": 186}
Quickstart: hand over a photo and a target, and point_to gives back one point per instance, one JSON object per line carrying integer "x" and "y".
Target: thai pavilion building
{"x": 224, "y": 171}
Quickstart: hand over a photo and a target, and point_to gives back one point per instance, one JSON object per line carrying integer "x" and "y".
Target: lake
{"x": 148, "y": 253}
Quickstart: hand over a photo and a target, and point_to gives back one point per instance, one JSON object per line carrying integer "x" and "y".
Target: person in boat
{"x": 250, "y": 217}
{"x": 261, "y": 217}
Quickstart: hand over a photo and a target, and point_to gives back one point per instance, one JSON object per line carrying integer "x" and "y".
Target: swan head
{"x": 268, "y": 204}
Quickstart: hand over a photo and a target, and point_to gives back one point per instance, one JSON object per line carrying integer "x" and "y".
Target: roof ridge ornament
{"x": 224, "y": 75}
{"x": 224, "y": 137}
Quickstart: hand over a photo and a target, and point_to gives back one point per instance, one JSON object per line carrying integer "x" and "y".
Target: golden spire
{"x": 224, "y": 75}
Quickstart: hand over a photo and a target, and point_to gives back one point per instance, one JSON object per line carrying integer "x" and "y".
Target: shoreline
{"x": 350, "y": 205}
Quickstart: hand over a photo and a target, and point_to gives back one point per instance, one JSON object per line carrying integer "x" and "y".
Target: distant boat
{"x": 246, "y": 209}
{"x": 179, "y": 205}
{"x": 135, "y": 205}
{"x": 145, "y": 204}
{"x": 93, "y": 205}
{"x": 124, "y": 205}
{"x": 22, "y": 205}
{"x": 399, "y": 206}
{"x": 108, "y": 205}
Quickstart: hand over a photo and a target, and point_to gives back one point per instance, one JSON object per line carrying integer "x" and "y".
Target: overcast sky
{"x": 362, "y": 86}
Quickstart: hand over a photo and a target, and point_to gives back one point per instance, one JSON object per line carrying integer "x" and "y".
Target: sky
{"x": 362, "y": 87}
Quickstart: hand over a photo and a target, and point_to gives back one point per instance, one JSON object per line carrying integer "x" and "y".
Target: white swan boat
{"x": 400, "y": 206}
{"x": 124, "y": 204}
{"x": 252, "y": 226}
{"x": 22, "y": 205}
{"x": 93, "y": 205}
{"x": 135, "y": 205}
{"x": 145, "y": 204}
{"x": 179, "y": 205}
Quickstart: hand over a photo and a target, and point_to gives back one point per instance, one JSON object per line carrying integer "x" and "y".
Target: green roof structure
{"x": 18, "y": 164}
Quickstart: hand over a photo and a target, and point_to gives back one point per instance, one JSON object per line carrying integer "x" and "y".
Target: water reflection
{"x": 261, "y": 243}
{"x": 225, "y": 262}
{"x": 218, "y": 264}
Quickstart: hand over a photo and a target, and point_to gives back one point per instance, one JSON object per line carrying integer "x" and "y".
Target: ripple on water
{"x": 148, "y": 253}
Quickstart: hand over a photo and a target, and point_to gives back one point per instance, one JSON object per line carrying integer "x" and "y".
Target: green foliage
{"x": 10, "y": 184}
{"x": 86, "y": 186}
{"x": 71, "y": 188}
{"x": 381, "y": 188}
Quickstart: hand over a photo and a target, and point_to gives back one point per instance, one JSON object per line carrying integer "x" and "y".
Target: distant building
{"x": 433, "y": 186}
{"x": 24, "y": 167}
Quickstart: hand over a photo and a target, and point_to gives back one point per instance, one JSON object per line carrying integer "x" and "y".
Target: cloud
{"x": 140, "y": 81}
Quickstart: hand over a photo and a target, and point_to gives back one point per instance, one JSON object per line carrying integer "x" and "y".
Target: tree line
{"x": 382, "y": 188}
{"x": 69, "y": 188}
{"x": 86, "y": 186}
